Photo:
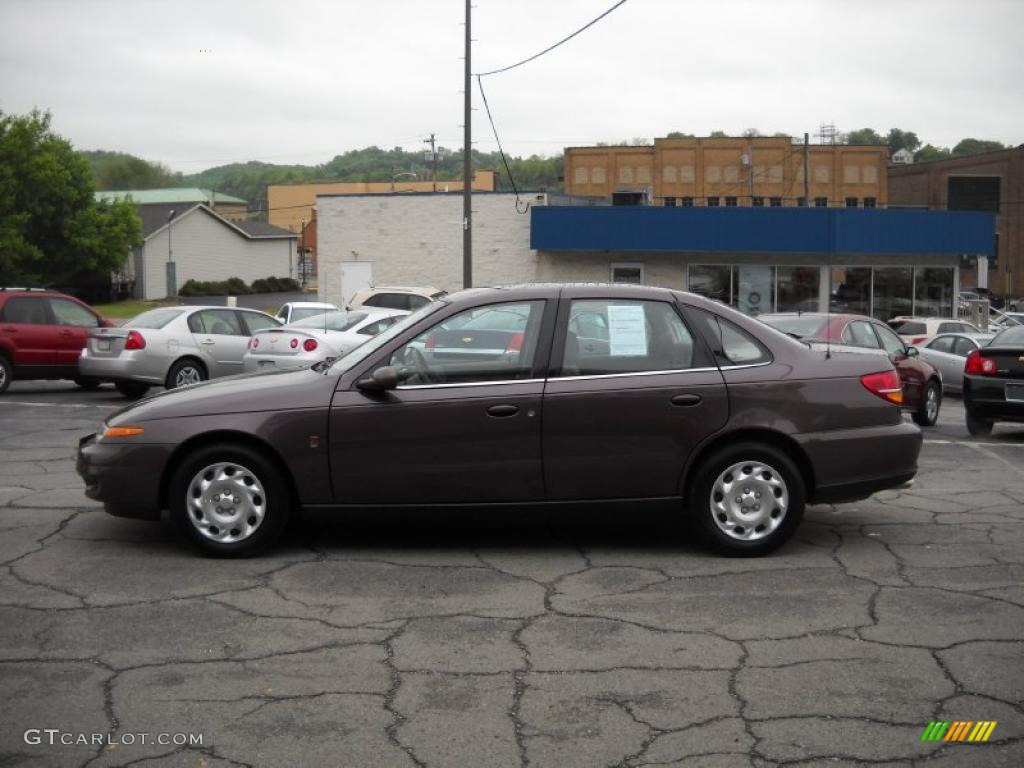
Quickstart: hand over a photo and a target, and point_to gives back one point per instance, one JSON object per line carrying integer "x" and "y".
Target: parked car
{"x": 321, "y": 337}
{"x": 691, "y": 402}
{"x": 994, "y": 382}
{"x": 922, "y": 383}
{"x": 41, "y": 334}
{"x": 300, "y": 310}
{"x": 172, "y": 347}
{"x": 914, "y": 330}
{"x": 948, "y": 351}
{"x": 395, "y": 297}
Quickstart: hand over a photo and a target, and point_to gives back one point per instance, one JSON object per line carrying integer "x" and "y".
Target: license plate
{"x": 1015, "y": 393}
{"x": 266, "y": 363}
{"x": 103, "y": 345}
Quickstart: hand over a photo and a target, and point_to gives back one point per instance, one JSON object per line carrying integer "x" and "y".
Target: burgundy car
{"x": 41, "y": 335}
{"x": 922, "y": 382}
{"x": 532, "y": 394}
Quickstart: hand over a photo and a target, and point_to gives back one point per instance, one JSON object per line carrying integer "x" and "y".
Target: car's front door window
{"x": 859, "y": 334}
{"x": 890, "y": 341}
{"x": 497, "y": 342}
{"x": 69, "y": 313}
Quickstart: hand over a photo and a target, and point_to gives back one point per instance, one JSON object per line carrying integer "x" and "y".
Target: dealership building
{"x": 759, "y": 259}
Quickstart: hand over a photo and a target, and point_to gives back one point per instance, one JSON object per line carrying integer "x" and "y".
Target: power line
{"x": 550, "y": 48}
{"x": 504, "y": 160}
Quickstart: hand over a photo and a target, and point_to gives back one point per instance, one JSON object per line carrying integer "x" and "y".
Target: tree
{"x": 863, "y": 136}
{"x": 718, "y": 135}
{"x": 929, "y": 152}
{"x": 976, "y": 147}
{"x": 898, "y": 140}
{"x": 679, "y": 135}
{"x": 51, "y": 227}
{"x": 117, "y": 170}
{"x": 752, "y": 133}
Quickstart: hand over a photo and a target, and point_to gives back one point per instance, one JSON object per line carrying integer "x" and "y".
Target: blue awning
{"x": 847, "y": 231}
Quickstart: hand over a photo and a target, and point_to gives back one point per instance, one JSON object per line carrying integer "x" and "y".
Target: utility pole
{"x": 467, "y": 164}
{"x": 807, "y": 199}
{"x": 433, "y": 158}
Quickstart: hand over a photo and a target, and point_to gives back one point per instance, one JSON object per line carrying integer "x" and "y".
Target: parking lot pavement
{"x": 571, "y": 638}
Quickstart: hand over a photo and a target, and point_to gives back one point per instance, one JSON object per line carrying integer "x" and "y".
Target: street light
{"x": 172, "y": 282}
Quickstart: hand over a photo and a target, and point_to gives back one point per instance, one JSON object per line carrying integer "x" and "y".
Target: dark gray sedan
{"x": 600, "y": 393}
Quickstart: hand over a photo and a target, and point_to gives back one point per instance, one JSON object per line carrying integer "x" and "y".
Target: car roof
{"x": 310, "y": 305}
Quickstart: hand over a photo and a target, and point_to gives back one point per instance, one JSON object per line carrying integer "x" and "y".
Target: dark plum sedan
{"x": 594, "y": 393}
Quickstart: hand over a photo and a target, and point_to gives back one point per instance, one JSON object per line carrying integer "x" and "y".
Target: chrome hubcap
{"x": 225, "y": 502}
{"x": 3, "y": 375}
{"x": 187, "y": 375}
{"x": 931, "y": 405}
{"x": 749, "y": 500}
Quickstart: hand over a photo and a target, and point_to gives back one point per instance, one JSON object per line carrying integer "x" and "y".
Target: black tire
{"x": 88, "y": 384}
{"x": 6, "y": 374}
{"x": 186, "y": 368}
{"x": 977, "y": 426}
{"x": 711, "y": 519}
{"x": 199, "y": 521}
{"x": 132, "y": 389}
{"x": 927, "y": 414}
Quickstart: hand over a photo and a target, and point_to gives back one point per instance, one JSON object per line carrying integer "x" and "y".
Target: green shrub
{"x": 235, "y": 286}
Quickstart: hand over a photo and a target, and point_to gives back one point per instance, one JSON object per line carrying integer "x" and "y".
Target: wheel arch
{"x": 778, "y": 440}
{"x": 205, "y": 439}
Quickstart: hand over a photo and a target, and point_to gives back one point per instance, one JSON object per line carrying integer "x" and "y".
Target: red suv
{"x": 41, "y": 335}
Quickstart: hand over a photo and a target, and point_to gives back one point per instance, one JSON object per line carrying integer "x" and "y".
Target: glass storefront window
{"x": 894, "y": 292}
{"x": 933, "y": 291}
{"x": 713, "y": 281}
{"x": 755, "y": 288}
{"x": 798, "y": 288}
{"x": 851, "y": 289}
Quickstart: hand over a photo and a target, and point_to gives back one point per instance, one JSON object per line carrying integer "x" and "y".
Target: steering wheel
{"x": 413, "y": 358}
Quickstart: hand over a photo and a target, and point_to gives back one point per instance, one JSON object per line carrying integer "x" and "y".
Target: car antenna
{"x": 828, "y": 297}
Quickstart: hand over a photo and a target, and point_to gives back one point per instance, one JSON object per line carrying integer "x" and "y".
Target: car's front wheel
{"x": 978, "y": 426}
{"x": 747, "y": 499}
{"x": 6, "y": 373}
{"x": 928, "y": 412}
{"x": 229, "y": 500}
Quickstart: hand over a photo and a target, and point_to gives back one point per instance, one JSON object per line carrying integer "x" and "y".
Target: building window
{"x": 757, "y": 202}
{"x": 713, "y": 281}
{"x": 893, "y": 292}
{"x": 712, "y": 202}
{"x": 933, "y": 291}
{"x": 631, "y": 273}
{"x": 730, "y": 202}
{"x": 670, "y": 202}
{"x": 801, "y": 202}
{"x": 869, "y": 202}
{"x": 775, "y": 202}
{"x": 798, "y": 288}
{"x": 851, "y": 289}
{"x": 821, "y": 202}
{"x": 686, "y": 202}
{"x": 851, "y": 202}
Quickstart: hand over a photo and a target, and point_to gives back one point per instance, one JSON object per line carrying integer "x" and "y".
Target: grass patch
{"x": 124, "y": 309}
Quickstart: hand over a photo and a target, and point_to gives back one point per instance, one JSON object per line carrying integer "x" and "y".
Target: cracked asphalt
{"x": 565, "y": 638}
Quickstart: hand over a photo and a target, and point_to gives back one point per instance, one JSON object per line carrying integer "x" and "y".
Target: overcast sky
{"x": 303, "y": 81}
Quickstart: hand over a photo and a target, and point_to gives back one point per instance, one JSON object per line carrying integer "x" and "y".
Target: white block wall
{"x": 416, "y": 239}
{"x": 207, "y": 249}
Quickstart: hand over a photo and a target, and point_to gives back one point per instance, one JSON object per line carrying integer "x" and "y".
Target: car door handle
{"x": 501, "y": 411}
{"x": 684, "y": 400}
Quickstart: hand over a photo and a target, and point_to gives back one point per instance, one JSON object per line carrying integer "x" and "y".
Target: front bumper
{"x": 125, "y": 477}
{"x": 852, "y": 464}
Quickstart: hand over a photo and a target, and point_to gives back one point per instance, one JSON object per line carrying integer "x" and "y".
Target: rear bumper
{"x": 985, "y": 398}
{"x": 852, "y": 464}
{"x": 124, "y": 367}
{"x": 124, "y": 477}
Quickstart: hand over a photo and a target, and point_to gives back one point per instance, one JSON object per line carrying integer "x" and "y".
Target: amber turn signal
{"x": 122, "y": 431}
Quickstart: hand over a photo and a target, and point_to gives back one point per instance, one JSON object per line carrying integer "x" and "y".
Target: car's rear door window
{"x": 26, "y": 310}
{"x": 615, "y": 336}
{"x": 963, "y": 347}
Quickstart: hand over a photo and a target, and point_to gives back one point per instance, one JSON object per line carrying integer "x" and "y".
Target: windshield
{"x": 796, "y": 325}
{"x": 333, "y": 321}
{"x": 154, "y": 318}
{"x": 1011, "y": 337}
{"x": 364, "y": 350}
{"x": 300, "y": 313}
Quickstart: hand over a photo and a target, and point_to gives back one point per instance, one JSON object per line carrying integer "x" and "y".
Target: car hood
{"x": 273, "y": 391}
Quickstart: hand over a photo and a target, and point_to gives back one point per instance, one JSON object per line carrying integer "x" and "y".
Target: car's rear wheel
{"x": 928, "y": 412}
{"x": 86, "y": 383}
{"x": 185, "y": 372}
{"x": 6, "y": 373}
{"x": 229, "y": 500}
{"x": 747, "y": 499}
{"x": 132, "y": 389}
{"x": 978, "y": 426}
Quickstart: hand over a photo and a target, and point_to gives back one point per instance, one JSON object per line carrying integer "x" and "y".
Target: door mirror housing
{"x": 380, "y": 380}
{"x": 913, "y": 352}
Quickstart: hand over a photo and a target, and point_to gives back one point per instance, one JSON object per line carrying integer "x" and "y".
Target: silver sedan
{"x": 948, "y": 352}
{"x": 323, "y": 337}
{"x": 171, "y": 347}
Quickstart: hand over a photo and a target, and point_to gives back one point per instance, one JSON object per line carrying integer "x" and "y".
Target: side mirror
{"x": 913, "y": 351}
{"x": 380, "y": 380}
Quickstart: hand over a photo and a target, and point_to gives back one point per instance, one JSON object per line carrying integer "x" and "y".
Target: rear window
{"x": 797, "y": 326}
{"x": 332, "y": 321}
{"x": 154, "y": 318}
{"x": 909, "y": 328}
{"x": 1011, "y": 337}
{"x": 300, "y": 313}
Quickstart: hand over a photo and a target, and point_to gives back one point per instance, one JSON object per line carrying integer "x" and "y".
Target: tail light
{"x": 294, "y": 343}
{"x": 982, "y": 366}
{"x": 918, "y": 339}
{"x": 134, "y": 341}
{"x": 309, "y": 345}
{"x": 515, "y": 344}
{"x": 886, "y": 385}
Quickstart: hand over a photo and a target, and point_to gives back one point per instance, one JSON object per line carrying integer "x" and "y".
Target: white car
{"x": 300, "y": 310}
{"x": 321, "y": 337}
{"x": 395, "y": 297}
{"x": 948, "y": 353}
{"x": 914, "y": 330}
